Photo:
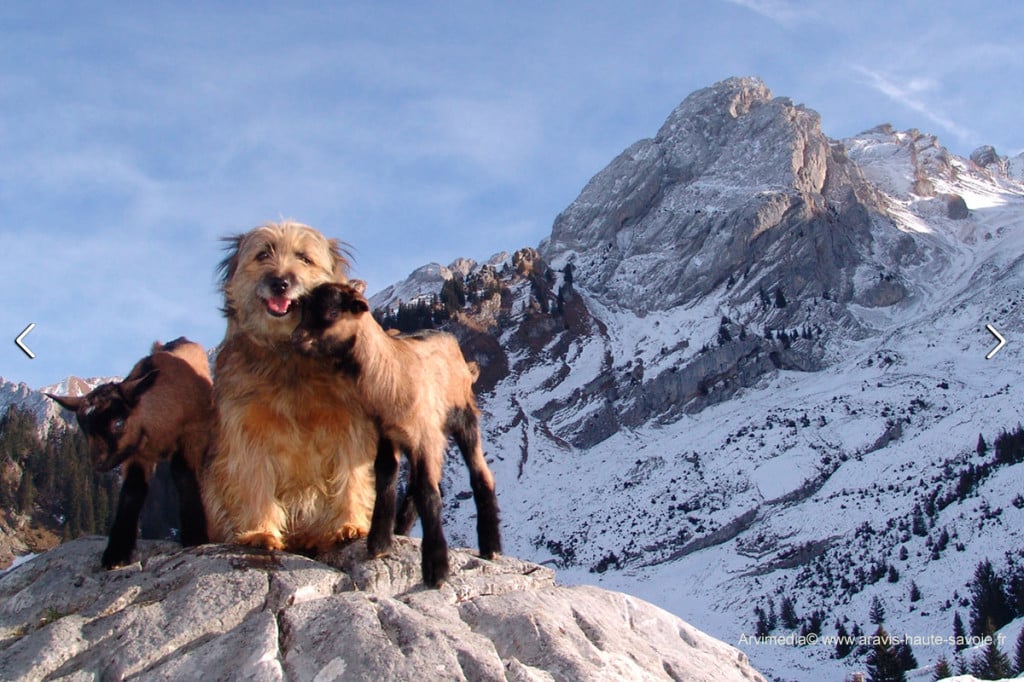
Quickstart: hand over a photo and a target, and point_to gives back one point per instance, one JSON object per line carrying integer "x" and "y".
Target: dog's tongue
{"x": 279, "y": 305}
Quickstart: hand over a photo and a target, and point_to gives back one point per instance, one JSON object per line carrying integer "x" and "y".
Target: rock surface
{"x": 224, "y": 612}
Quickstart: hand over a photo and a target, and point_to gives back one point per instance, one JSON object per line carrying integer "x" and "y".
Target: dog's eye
{"x": 304, "y": 258}
{"x": 117, "y": 426}
{"x": 263, "y": 255}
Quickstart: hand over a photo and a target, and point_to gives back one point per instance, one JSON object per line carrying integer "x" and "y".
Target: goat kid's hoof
{"x": 111, "y": 564}
{"x": 435, "y": 576}
{"x": 378, "y": 546}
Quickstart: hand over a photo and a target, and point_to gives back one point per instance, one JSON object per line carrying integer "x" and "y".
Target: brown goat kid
{"x": 162, "y": 410}
{"x": 419, "y": 390}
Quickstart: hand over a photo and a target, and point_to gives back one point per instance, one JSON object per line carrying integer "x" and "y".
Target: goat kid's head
{"x": 330, "y": 318}
{"x": 109, "y": 419}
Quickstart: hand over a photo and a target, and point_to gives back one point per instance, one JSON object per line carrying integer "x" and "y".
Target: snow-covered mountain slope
{"x": 681, "y": 432}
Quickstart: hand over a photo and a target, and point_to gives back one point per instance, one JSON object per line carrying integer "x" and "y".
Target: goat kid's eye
{"x": 117, "y": 425}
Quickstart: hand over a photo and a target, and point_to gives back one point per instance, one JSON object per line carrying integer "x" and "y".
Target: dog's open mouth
{"x": 279, "y": 306}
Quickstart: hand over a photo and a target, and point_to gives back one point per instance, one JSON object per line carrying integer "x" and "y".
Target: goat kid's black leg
{"x": 428, "y": 502}
{"x": 125, "y": 530}
{"x": 385, "y": 469}
{"x": 487, "y": 529}
{"x": 407, "y": 515}
{"x": 190, "y": 503}
{"x": 464, "y": 427}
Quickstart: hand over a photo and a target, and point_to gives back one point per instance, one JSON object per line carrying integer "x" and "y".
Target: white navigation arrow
{"x": 999, "y": 337}
{"x": 20, "y": 341}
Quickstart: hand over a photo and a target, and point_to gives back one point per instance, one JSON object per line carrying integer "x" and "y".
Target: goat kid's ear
{"x": 359, "y": 285}
{"x": 133, "y": 390}
{"x": 360, "y": 306}
{"x": 66, "y": 401}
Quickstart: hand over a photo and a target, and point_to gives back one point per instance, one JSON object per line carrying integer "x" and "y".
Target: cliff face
{"x": 736, "y": 182}
{"x": 229, "y": 613}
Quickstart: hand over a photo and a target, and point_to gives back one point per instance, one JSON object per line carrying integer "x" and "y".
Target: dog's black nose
{"x": 278, "y": 285}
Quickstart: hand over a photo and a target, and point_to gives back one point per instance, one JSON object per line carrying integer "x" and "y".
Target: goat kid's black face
{"x": 105, "y": 417}
{"x": 321, "y": 310}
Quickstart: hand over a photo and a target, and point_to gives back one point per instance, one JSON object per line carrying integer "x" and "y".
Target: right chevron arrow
{"x": 999, "y": 338}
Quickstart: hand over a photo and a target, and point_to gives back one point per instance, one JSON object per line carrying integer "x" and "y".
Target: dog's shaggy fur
{"x": 292, "y": 461}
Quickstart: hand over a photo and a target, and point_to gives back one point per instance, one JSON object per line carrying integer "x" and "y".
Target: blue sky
{"x": 134, "y": 135}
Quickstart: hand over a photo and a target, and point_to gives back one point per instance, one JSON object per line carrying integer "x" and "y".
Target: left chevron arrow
{"x": 20, "y": 341}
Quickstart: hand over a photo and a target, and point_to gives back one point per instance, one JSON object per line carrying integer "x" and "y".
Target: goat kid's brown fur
{"x": 292, "y": 463}
{"x": 419, "y": 389}
{"x": 161, "y": 411}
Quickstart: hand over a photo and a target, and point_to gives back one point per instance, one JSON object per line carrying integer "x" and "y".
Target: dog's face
{"x": 330, "y": 319}
{"x": 109, "y": 419}
{"x": 269, "y": 268}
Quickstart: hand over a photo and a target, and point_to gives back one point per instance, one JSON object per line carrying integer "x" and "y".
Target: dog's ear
{"x": 341, "y": 256}
{"x": 226, "y": 268}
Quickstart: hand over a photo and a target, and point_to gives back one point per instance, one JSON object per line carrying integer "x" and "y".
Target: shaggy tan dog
{"x": 292, "y": 462}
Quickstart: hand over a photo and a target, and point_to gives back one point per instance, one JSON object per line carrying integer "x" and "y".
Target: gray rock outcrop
{"x": 736, "y": 181}
{"x": 225, "y": 612}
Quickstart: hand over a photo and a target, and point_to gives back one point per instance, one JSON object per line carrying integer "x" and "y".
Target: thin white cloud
{"x": 913, "y": 93}
{"x": 787, "y": 14}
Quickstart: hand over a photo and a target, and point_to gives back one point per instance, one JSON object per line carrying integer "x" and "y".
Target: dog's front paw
{"x": 261, "y": 539}
{"x": 351, "y": 531}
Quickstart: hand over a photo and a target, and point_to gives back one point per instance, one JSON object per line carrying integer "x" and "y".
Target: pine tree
{"x": 883, "y": 662}
{"x": 761, "y": 628}
{"x": 982, "y": 448}
{"x": 877, "y": 612}
{"x": 787, "y": 612}
{"x": 844, "y": 644}
{"x": 941, "y": 670}
{"x": 813, "y": 623}
{"x": 26, "y": 494}
{"x": 959, "y": 634}
{"x": 915, "y": 592}
{"x": 993, "y": 664}
{"x": 1018, "y": 658}
{"x": 905, "y": 655}
{"x": 989, "y": 606}
{"x": 893, "y": 575}
{"x": 780, "y": 298}
{"x": 918, "y": 526}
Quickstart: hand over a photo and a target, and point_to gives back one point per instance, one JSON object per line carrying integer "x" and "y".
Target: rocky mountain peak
{"x": 736, "y": 182}
{"x": 704, "y": 137}
{"x": 904, "y": 164}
